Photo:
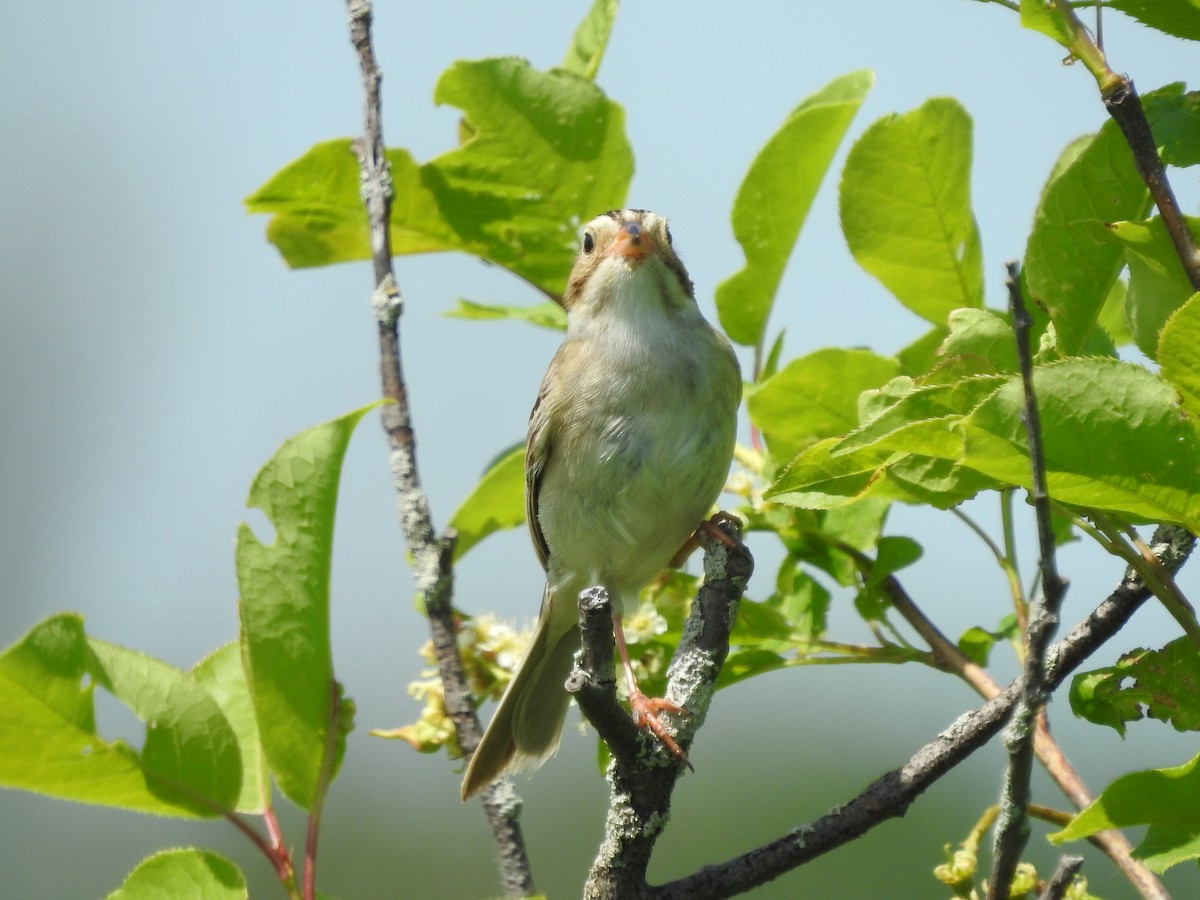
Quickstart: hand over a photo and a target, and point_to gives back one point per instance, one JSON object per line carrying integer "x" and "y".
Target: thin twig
{"x": 431, "y": 556}
{"x": 891, "y": 795}
{"x": 1056, "y": 887}
{"x": 1012, "y": 828}
{"x": 1125, "y": 107}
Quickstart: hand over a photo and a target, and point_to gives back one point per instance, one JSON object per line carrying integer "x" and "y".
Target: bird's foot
{"x": 645, "y": 714}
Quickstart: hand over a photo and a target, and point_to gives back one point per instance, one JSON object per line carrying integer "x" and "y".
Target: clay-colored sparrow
{"x": 629, "y": 445}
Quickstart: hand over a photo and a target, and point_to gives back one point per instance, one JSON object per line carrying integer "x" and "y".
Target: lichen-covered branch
{"x": 891, "y": 795}
{"x": 642, "y": 773}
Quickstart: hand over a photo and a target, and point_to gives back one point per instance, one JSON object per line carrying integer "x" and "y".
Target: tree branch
{"x": 642, "y": 773}
{"x": 891, "y": 795}
{"x": 431, "y": 556}
{"x": 1012, "y": 827}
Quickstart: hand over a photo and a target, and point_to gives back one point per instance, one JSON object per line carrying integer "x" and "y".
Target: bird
{"x": 629, "y": 445}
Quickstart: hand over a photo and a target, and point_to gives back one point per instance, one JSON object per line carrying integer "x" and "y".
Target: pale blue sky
{"x": 154, "y": 351}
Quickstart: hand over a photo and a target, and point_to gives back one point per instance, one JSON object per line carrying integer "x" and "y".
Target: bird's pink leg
{"x": 645, "y": 709}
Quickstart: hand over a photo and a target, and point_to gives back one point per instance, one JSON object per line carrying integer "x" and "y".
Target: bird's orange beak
{"x": 632, "y": 243}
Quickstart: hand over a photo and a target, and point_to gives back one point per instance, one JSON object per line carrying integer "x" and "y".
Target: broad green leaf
{"x": 189, "y": 764}
{"x": 758, "y": 622}
{"x": 221, "y": 674}
{"x": 1176, "y": 127}
{"x": 816, "y": 480}
{"x": 591, "y": 37}
{"x": 906, "y": 209}
{"x": 1039, "y": 15}
{"x": 1179, "y": 354}
{"x": 544, "y": 315}
{"x": 1178, "y": 17}
{"x": 774, "y": 198}
{"x": 1168, "y": 800}
{"x": 940, "y": 483}
{"x": 803, "y": 602}
{"x": 922, "y": 354}
{"x": 1158, "y": 684}
{"x": 1112, "y": 315}
{"x": 546, "y": 151}
{"x": 923, "y": 420}
{"x": 815, "y": 397}
{"x": 1113, "y": 435}
{"x": 497, "y": 502}
{"x": 1157, "y": 283}
{"x": 284, "y": 607}
{"x": 983, "y": 334}
{"x": 1070, "y": 260}
{"x": 183, "y": 874}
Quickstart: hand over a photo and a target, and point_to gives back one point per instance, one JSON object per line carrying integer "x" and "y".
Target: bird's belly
{"x": 640, "y": 486}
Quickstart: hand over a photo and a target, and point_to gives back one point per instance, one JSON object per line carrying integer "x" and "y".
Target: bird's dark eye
{"x": 669, "y": 240}
{"x": 589, "y": 242}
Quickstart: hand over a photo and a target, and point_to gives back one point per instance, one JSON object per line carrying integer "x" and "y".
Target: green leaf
{"x": 1070, "y": 260}
{"x": 1112, "y": 315}
{"x": 775, "y": 196}
{"x": 906, "y": 209}
{"x": 815, "y": 397}
{"x": 895, "y": 553}
{"x": 591, "y": 37}
{"x": 1176, "y": 127}
{"x": 922, "y": 354}
{"x": 803, "y": 602}
{"x": 221, "y": 674}
{"x": 1178, "y": 17}
{"x": 977, "y": 644}
{"x": 816, "y": 480}
{"x": 284, "y": 607}
{"x": 497, "y": 502}
{"x": 189, "y": 764}
{"x": 1165, "y": 685}
{"x": 981, "y": 334}
{"x": 1157, "y": 283}
{"x": 547, "y": 151}
{"x": 1179, "y": 354}
{"x": 1039, "y": 15}
{"x": 183, "y": 874}
{"x": 758, "y": 622}
{"x": 1114, "y": 440}
{"x": 1168, "y": 800}
{"x": 544, "y": 315}
{"x": 923, "y": 420}
{"x": 940, "y": 483}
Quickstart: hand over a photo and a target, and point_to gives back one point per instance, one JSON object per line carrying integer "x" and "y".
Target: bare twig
{"x": 1124, "y": 105}
{"x": 1056, "y": 887}
{"x": 642, "y": 773}
{"x": 431, "y": 556}
{"x": 1012, "y": 828}
{"x": 891, "y": 795}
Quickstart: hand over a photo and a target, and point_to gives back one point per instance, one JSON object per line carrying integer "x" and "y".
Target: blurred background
{"x": 154, "y": 351}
